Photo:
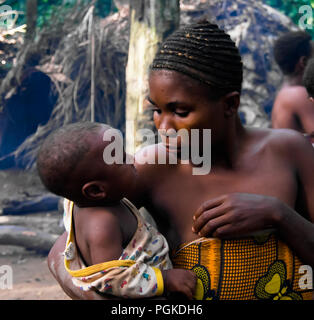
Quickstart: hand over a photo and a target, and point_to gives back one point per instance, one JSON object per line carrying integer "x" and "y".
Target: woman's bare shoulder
{"x": 287, "y": 143}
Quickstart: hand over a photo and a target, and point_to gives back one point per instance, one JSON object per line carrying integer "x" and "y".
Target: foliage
{"x": 291, "y": 9}
{"x": 47, "y": 8}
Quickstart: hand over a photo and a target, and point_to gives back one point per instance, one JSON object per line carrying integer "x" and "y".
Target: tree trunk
{"x": 151, "y": 22}
{"x": 31, "y": 19}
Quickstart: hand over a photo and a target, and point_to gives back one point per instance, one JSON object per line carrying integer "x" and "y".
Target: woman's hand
{"x": 237, "y": 214}
{"x": 56, "y": 267}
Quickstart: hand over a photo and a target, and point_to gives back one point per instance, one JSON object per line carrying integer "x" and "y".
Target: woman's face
{"x": 180, "y": 102}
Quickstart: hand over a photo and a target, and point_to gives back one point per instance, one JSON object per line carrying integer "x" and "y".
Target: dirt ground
{"x": 31, "y": 278}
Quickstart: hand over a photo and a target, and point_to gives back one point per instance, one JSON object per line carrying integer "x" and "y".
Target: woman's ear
{"x": 231, "y": 103}
{"x": 95, "y": 190}
{"x": 312, "y": 99}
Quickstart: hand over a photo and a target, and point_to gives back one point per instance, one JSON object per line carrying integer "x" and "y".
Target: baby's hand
{"x": 180, "y": 281}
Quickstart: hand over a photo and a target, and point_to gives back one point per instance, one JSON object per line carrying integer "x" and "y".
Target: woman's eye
{"x": 182, "y": 114}
{"x": 157, "y": 110}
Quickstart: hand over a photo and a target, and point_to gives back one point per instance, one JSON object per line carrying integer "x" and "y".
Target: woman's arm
{"x": 297, "y": 230}
{"x": 56, "y": 267}
{"x": 240, "y": 214}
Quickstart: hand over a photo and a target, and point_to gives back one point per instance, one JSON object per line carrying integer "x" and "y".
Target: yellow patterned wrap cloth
{"x": 252, "y": 268}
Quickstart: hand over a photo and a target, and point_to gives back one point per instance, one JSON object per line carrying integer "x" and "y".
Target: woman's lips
{"x": 171, "y": 143}
{"x": 172, "y": 149}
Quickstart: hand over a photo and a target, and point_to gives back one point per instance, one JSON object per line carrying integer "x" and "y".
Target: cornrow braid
{"x": 203, "y": 52}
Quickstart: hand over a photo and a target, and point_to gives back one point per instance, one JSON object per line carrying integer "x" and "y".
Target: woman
{"x": 259, "y": 178}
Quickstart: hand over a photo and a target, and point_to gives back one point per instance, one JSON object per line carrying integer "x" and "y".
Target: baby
{"x": 110, "y": 247}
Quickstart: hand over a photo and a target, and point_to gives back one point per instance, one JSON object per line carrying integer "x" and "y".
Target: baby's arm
{"x": 104, "y": 239}
{"x": 140, "y": 280}
{"x": 137, "y": 280}
{"x": 180, "y": 281}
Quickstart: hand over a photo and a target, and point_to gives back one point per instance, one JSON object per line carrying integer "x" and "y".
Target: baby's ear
{"x": 312, "y": 99}
{"x": 95, "y": 190}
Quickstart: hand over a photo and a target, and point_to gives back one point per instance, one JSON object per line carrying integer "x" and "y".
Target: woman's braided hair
{"x": 203, "y": 52}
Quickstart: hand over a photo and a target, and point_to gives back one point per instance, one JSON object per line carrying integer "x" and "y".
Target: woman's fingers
{"x": 207, "y": 217}
{"x": 207, "y": 227}
{"x": 224, "y": 231}
{"x": 209, "y": 204}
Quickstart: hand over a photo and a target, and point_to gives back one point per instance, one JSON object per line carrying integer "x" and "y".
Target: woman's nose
{"x": 166, "y": 123}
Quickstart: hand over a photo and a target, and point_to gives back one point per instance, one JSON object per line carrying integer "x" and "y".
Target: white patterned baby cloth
{"x": 137, "y": 273}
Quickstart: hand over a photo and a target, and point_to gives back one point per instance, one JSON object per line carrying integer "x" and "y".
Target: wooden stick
{"x": 21, "y": 28}
{"x": 92, "y": 51}
{"x": 27, "y": 238}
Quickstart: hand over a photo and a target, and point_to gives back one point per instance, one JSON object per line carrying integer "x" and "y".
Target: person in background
{"x": 308, "y": 79}
{"x": 292, "y": 108}
{"x": 308, "y": 82}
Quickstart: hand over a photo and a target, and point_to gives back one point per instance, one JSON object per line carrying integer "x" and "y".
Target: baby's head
{"x": 308, "y": 79}
{"x": 70, "y": 164}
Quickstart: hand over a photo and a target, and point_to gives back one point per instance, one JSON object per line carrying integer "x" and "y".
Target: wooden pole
{"x": 92, "y": 53}
{"x": 31, "y": 19}
{"x": 151, "y": 21}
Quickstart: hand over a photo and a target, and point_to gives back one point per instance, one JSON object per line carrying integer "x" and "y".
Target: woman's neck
{"x": 225, "y": 152}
